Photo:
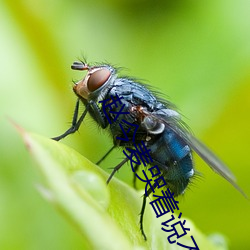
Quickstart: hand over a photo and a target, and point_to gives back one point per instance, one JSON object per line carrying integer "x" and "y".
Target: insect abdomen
{"x": 175, "y": 160}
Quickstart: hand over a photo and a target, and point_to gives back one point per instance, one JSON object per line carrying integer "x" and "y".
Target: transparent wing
{"x": 211, "y": 159}
{"x": 175, "y": 124}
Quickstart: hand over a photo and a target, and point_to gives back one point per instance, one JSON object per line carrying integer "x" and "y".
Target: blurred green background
{"x": 196, "y": 53}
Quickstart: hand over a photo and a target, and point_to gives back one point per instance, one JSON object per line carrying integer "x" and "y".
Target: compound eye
{"x": 97, "y": 79}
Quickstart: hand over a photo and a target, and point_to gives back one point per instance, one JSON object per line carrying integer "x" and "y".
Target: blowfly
{"x": 157, "y": 124}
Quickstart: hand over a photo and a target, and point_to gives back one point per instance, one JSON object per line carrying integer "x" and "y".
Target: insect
{"x": 159, "y": 126}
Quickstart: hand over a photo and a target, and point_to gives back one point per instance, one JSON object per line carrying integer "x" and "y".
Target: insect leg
{"x": 105, "y": 155}
{"x": 96, "y": 111}
{"x": 75, "y": 124}
{"x": 141, "y": 216}
{"x": 149, "y": 191}
{"x": 136, "y": 167}
{"x": 116, "y": 168}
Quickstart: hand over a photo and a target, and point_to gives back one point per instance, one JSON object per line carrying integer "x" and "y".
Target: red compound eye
{"x": 97, "y": 79}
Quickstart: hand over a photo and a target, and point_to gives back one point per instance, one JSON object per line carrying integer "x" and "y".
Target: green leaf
{"x": 106, "y": 215}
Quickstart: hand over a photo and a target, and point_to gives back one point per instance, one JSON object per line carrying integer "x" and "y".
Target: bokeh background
{"x": 195, "y": 52}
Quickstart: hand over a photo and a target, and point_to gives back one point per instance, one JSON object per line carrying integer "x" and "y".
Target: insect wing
{"x": 178, "y": 127}
{"x": 212, "y": 160}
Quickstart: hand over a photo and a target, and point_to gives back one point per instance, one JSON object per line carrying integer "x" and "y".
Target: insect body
{"x": 158, "y": 125}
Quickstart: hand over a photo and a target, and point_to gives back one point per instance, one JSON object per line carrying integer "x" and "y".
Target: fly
{"x": 159, "y": 126}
